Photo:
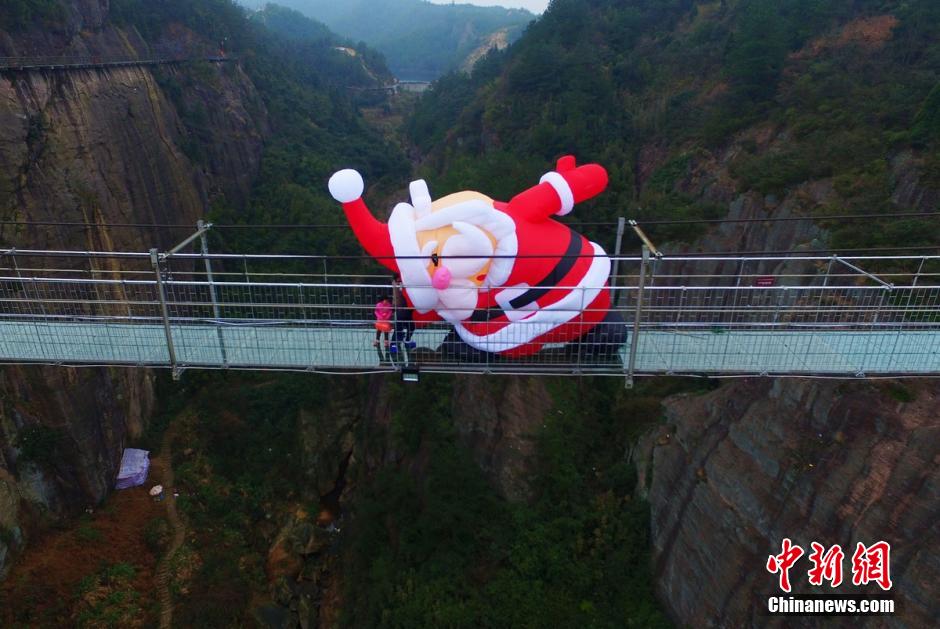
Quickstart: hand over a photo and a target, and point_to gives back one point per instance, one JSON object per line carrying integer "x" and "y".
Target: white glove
{"x": 346, "y": 185}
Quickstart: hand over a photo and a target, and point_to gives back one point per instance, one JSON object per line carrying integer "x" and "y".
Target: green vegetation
{"x": 86, "y": 531}
{"x": 900, "y": 393}
{"x": 672, "y": 95}
{"x": 108, "y": 598}
{"x": 22, "y": 14}
{"x": 436, "y": 546}
{"x": 244, "y": 468}
{"x": 312, "y": 41}
{"x": 305, "y": 86}
{"x": 275, "y": 40}
{"x": 156, "y": 535}
{"x": 688, "y": 103}
{"x": 420, "y": 40}
{"x": 39, "y": 444}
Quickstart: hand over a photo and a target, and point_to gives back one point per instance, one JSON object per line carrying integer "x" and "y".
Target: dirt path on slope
{"x": 177, "y": 532}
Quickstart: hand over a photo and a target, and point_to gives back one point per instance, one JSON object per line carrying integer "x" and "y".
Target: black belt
{"x": 548, "y": 282}
{"x": 557, "y": 274}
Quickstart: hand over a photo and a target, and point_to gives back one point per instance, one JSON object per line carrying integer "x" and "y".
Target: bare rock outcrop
{"x": 735, "y": 471}
{"x": 498, "y": 419}
{"x": 101, "y": 146}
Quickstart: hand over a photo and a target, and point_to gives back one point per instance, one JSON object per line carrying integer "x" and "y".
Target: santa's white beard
{"x": 465, "y": 254}
{"x": 458, "y": 301}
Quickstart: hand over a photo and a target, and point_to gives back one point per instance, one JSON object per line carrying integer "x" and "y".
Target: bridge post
{"x": 216, "y": 312}
{"x": 634, "y": 342}
{"x": 161, "y": 293}
{"x": 621, "y": 224}
{"x": 886, "y": 290}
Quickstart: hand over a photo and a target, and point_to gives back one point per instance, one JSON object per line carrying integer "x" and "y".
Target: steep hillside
{"x": 420, "y": 40}
{"x": 101, "y": 147}
{"x": 738, "y": 109}
{"x": 704, "y": 108}
{"x": 334, "y": 55}
{"x": 472, "y": 501}
{"x": 733, "y": 472}
{"x": 144, "y": 145}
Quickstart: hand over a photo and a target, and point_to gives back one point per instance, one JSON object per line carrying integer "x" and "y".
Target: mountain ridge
{"x": 420, "y": 40}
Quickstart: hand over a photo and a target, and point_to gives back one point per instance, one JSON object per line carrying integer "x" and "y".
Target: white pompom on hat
{"x": 346, "y": 185}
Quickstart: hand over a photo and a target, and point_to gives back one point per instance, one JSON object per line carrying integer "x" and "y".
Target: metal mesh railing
{"x": 685, "y": 315}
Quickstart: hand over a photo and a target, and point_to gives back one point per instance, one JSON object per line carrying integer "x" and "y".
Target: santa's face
{"x": 462, "y": 239}
{"x": 456, "y": 242}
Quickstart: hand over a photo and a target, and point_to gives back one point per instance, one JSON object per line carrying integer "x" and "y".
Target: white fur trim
{"x": 346, "y": 185}
{"x": 412, "y": 265}
{"x": 460, "y": 292}
{"x": 548, "y": 318}
{"x": 506, "y": 295}
{"x": 563, "y": 189}
{"x": 420, "y": 197}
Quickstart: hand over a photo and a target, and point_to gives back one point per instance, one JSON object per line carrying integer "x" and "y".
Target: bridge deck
{"x": 715, "y": 316}
{"x": 837, "y": 353}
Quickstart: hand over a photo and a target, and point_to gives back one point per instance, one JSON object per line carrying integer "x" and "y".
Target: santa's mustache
{"x": 465, "y": 253}
{"x": 458, "y": 299}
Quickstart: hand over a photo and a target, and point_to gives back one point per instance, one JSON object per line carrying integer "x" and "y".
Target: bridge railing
{"x": 711, "y": 315}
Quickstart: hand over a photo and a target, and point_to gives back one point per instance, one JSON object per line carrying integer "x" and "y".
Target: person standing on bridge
{"x": 383, "y": 320}
{"x": 404, "y": 319}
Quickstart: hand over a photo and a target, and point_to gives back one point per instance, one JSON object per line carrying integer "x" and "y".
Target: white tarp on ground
{"x": 134, "y": 467}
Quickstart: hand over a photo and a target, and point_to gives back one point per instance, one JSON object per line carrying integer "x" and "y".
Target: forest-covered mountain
{"x": 312, "y": 87}
{"x": 419, "y": 39}
{"x": 746, "y": 109}
{"x": 826, "y": 107}
{"x": 362, "y": 66}
{"x": 464, "y": 502}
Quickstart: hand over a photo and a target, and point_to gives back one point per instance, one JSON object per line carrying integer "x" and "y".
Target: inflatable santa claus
{"x": 509, "y": 277}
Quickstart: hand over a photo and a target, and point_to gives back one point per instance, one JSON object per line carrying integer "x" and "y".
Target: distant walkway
{"x": 36, "y": 64}
{"x": 397, "y": 86}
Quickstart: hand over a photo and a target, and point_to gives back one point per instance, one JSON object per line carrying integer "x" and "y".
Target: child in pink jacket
{"x": 383, "y": 321}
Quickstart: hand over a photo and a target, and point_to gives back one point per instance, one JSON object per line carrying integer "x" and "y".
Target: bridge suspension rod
{"x": 161, "y": 293}
{"x": 638, "y": 313}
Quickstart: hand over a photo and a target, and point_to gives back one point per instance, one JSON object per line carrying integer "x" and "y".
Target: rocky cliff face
{"x": 102, "y": 146}
{"x": 498, "y": 420}
{"x": 733, "y": 472}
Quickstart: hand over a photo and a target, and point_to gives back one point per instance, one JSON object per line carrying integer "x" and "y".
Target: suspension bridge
{"x": 718, "y": 316}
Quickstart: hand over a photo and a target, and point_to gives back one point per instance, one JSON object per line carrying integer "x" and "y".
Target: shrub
{"x": 38, "y": 444}
{"x": 156, "y": 533}
{"x": 7, "y": 536}
{"x": 21, "y": 14}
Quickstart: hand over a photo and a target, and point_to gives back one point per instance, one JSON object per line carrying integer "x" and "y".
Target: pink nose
{"x": 441, "y": 278}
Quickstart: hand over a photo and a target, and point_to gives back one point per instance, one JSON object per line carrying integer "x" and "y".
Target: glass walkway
{"x": 714, "y": 316}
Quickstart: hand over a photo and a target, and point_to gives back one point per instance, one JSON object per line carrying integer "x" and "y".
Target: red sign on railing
{"x": 766, "y": 281}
